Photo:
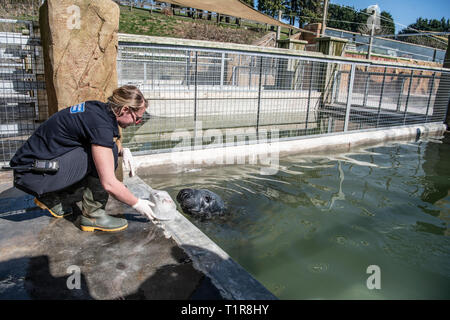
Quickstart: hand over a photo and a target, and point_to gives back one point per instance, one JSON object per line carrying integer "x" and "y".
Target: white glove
{"x": 128, "y": 162}
{"x": 144, "y": 208}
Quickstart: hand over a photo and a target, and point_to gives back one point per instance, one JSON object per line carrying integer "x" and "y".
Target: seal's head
{"x": 200, "y": 202}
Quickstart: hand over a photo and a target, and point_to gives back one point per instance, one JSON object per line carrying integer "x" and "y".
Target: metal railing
{"x": 395, "y": 96}
{"x": 196, "y": 90}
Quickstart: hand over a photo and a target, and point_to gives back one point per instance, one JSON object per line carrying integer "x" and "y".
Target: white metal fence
{"x": 199, "y": 89}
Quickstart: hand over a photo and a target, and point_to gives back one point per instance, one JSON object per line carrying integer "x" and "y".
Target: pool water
{"x": 312, "y": 230}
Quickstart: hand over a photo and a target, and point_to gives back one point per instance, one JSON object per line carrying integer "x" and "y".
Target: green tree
{"x": 271, "y": 7}
{"x": 251, "y": 3}
{"x": 348, "y": 18}
{"x": 387, "y": 23}
{"x": 344, "y": 18}
{"x": 303, "y": 11}
{"x": 309, "y": 11}
{"x": 432, "y": 25}
{"x": 291, "y": 10}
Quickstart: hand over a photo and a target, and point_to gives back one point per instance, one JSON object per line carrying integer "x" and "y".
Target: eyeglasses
{"x": 137, "y": 119}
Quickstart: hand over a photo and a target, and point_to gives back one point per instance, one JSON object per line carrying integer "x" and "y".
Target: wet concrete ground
{"x": 42, "y": 257}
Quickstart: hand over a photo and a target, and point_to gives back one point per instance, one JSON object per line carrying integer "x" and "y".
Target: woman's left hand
{"x": 128, "y": 162}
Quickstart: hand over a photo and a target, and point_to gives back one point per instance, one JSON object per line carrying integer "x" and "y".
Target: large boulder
{"x": 80, "y": 43}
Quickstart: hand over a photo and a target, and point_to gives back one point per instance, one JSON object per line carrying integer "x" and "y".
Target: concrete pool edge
{"x": 231, "y": 279}
{"x": 342, "y": 142}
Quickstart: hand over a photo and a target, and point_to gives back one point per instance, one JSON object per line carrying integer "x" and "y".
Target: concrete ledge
{"x": 233, "y": 281}
{"x": 268, "y": 153}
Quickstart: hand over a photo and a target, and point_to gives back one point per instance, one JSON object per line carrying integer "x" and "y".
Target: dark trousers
{"x": 76, "y": 180}
{"x": 89, "y": 190}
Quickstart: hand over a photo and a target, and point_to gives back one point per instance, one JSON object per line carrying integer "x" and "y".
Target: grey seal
{"x": 201, "y": 203}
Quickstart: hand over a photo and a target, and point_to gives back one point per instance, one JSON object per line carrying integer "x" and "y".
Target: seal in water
{"x": 200, "y": 203}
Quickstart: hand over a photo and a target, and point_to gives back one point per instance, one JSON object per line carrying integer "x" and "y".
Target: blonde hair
{"x": 127, "y": 95}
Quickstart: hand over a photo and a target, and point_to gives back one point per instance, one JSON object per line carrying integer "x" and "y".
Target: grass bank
{"x": 142, "y": 21}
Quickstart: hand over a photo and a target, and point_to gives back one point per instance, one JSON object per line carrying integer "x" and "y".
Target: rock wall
{"x": 80, "y": 44}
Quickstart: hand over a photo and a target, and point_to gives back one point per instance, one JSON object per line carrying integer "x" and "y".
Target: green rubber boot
{"x": 54, "y": 205}
{"x": 94, "y": 215}
{"x": 105, "y": 223}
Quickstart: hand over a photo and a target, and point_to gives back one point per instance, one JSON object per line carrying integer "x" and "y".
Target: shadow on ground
{"x": 41, "y": 255}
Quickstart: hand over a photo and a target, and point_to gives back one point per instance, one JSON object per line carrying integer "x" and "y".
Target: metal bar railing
{"x": 230, "y": 88}
{"x": 309, "y": 96}
{"x": 259, "y": 96}
{"x": 195, "y": 86}
{"x": 366, "y": 89}
{"x": 381, "y": 97}
{"x": 407, "y": 97}
{"x": 429, "y": 97}
{"x": 349, "y": 97}
{"x": 400, "y": 94}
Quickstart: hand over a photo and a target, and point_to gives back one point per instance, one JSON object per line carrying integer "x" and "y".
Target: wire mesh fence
{"x": 194, "y": 91}
{"x": 204, "y": 97}
{"x": 23, "y": 100}
{"x": 386, "y": 96}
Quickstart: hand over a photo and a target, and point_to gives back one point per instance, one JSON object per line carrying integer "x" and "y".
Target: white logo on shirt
{"x": 77, "y": 108}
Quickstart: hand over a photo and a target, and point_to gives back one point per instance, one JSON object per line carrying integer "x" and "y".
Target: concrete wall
{"x": 267, "y": 154}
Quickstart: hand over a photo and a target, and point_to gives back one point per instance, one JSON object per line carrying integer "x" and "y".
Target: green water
{"x": 311, "y": 230}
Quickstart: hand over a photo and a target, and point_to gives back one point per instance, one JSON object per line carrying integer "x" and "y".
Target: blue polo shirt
{"x": 87, "y": 123}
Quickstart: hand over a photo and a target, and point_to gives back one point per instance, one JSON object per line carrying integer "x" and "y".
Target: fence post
{"x": 334, "y": 88}
{"x": 145, "y": 73}
{"x": 195, "y": 86}
{"x": 338, "y": 85}
{"x": 366, "y": 88}
{"x": 309, "y": 96}
{"x": 250, "y": 74}
{"x": 349, "y": 97}
{"x": 222, "y": 67}
{"x": 188, "y": 69}
{"x": 407, "y": 97}
{"x": 399, "y": 99}
{"x": 196, "y": 125}
{"x": 381, "y": 96}
{"x": 429, "y": 97}
{"x": 259, "y": 97}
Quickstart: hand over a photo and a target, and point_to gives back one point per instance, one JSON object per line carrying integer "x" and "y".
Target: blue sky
{"x": 404, "y": 11}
